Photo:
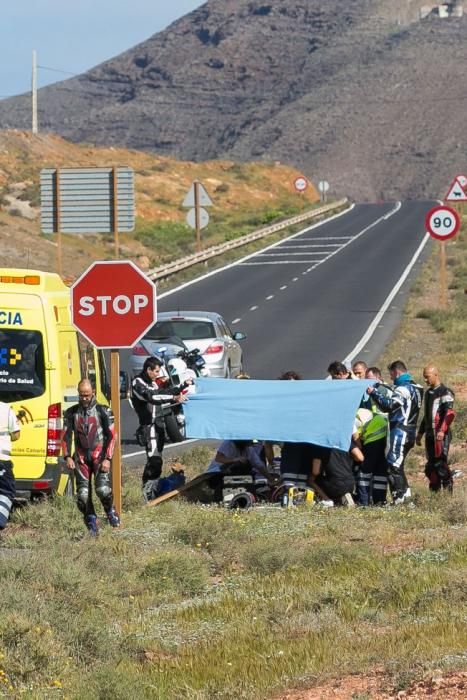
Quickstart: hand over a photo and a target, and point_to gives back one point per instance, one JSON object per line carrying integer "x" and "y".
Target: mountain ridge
{"x": 352, "y": 92}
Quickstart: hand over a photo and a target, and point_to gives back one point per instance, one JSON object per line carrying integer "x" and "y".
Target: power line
{"x": 57, "y": 70}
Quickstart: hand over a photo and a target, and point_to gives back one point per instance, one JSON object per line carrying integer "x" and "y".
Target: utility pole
{"x": 34, "y": 92}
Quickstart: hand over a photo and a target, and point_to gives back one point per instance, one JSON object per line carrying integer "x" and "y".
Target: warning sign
{"x": 457, "y": 190}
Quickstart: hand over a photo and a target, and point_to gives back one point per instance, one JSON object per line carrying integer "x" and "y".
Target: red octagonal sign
{"x": 113, "y": 304}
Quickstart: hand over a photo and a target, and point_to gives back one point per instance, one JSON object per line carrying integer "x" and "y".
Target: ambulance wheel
{"x": 175, "y": 432}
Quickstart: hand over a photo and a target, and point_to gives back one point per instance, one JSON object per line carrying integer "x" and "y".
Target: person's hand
{"x": 440, "y": 435}
{"x": 70, "y": 463}
{"x": 105, "y": 466}
{"x": 180, "y": 398}
{"x": 370, "y": 389}
{"x": 418, "y": 440}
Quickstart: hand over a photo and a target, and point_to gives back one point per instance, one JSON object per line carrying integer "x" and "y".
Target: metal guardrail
{"x": 182, "y": 263}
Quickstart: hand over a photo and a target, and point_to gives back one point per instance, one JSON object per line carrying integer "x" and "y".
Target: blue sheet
{"x": 317, "y": 411}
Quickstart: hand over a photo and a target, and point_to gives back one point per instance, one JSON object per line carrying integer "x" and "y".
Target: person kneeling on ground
{"x": 332, "y": 477}
{"x": 236, "y": 458}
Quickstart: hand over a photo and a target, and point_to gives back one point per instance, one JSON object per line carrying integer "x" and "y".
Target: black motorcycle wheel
{"x": 175, "y": 432}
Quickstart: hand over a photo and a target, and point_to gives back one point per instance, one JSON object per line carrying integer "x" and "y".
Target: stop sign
{"x": 113, "y": 304}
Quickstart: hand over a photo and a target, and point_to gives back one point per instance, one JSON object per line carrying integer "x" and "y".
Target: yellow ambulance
{"x": 42, "y": 359}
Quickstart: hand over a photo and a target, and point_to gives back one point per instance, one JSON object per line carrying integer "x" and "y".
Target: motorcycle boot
{"x": 92, "y": 525}
{"x": 113, "y": 517}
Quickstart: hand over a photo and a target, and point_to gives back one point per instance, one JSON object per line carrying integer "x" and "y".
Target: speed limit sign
{"x": 300, "y": 183}
{"x": 442, "y": 222}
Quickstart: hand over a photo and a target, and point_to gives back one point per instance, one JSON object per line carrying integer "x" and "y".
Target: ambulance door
{"x": 70, "y": 368}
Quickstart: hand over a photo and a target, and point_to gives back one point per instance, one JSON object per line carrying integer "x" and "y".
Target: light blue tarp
{"x": 317, "y": 411}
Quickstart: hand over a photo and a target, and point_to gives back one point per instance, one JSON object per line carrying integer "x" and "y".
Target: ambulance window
{"x": 22, "y": 368}
{"x": 87, "y": 361}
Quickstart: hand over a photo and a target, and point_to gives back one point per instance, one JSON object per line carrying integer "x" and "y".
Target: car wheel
{"x": 175, "y": 431}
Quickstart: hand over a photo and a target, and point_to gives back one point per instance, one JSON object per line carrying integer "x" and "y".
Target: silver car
{"x": 204, "y": 330}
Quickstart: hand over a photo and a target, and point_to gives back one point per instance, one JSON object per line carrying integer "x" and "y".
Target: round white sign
{"x": 323, "y": 186}
{"x": 203, "y": 218}
{"x": 300, "y": 184}
{"x": 442, "y": 222}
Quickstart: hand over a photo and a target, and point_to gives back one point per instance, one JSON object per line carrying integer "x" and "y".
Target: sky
{"x": 74, "y": 35}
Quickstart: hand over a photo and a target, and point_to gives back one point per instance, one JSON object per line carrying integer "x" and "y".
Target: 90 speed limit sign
{"x": 442, "y": 222}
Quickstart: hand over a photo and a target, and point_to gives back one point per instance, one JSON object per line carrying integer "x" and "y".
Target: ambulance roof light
{"x": 26, "y": 279}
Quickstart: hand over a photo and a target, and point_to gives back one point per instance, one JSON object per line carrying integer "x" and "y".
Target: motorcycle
{"x": 181, "y": 368}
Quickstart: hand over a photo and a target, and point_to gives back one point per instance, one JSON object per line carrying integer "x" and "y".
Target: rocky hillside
{"x": 365, "y": 93}
{"x": 244, "y": 197}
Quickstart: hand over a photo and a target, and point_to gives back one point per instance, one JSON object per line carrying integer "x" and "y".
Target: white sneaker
{"x": 327, "y": 504}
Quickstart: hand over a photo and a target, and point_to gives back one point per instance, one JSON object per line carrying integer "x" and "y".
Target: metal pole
{"x": 442, "y": 275}
{"x": 115, "y": 404}
{"x": 197, "y": 217}
{"x": 34, "y": 93}
{"x": 115, "y": 211}
{"x": 58, "y": 224}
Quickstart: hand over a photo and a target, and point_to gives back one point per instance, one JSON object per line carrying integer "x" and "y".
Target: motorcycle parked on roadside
{"x": 181, "y": 368}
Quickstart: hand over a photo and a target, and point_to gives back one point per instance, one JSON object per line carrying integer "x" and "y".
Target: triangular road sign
{"x": 458, "y": 190}
{"x": 203, "y": 198}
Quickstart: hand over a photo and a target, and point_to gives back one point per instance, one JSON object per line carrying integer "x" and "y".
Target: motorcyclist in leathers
{"x": 149, "y": 392}
{"x": 435, "y": 425}
{"x": 403, "y": 406}
{"x": 90, "y": 426}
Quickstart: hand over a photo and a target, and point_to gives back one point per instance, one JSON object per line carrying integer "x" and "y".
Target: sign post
{"x": 442, "y": 223}
{"x": 113, "y": 304}
{"x": 323, "y": 187}
{"x": 198, "y": 218}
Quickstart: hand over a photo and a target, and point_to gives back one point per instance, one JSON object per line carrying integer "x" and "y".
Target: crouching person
{"x": 236, "y": 458}
{"x": 91, "y": 426}
{"x": 332, "y": 477}
{"x": 9, "y": 431}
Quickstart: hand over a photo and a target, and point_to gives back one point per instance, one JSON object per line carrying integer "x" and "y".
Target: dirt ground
{"x": 374, "y": 686}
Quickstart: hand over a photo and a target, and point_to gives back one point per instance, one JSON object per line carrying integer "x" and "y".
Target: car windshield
{"x": 22, "y": 368}
{"x": 186, "y": 329}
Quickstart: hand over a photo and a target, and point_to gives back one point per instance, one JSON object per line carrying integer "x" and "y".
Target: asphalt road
{"x": 312, "y": 298}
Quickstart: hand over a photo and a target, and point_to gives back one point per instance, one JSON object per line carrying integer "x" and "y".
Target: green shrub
{"x": 170, "y": 571}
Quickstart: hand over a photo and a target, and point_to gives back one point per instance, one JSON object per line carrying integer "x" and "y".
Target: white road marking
{"x": 282, "y": 255}
{"x": 251, "y": 255}
{"x": 328, "y": 238}
{"x": 167, "y": 447}
{"x": 284, "y": 286}
{"x": 282, "y": 262}
{"x": 236, "y": 320}
{"x": 253, "y": 308}
{"x": 374, "y": 324}
{"x": 271, "y": 296}
{"x": 311, "y": 245}
{"x": 295, "y": 279}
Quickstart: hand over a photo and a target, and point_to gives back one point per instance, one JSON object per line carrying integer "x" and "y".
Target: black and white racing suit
{"x": 403, "y": 406}
{"x": 148, "y": 401}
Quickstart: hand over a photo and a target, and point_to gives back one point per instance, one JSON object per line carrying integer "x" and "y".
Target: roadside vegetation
{"x": 199, "y": 602}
